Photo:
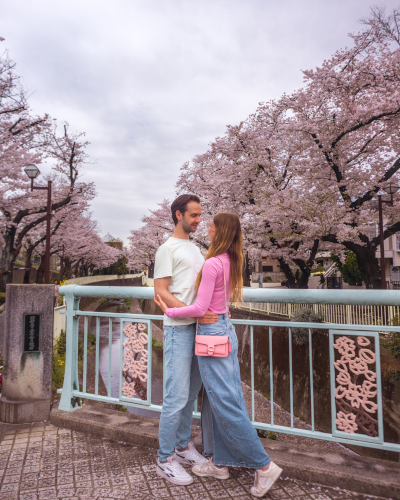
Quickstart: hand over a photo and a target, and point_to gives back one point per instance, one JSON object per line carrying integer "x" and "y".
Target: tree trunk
{"x": 7, "y": 259}
{"x": 77, "y": 268}
{"x": 61, "y": 269}
{"x": 246, "y": 271}
{"x": 302, "y": 279}
{"x": 67, "y": 269}
{"x": 28, "y": 264}
{"x": 286, "y": 269}
{"x": 40, "y": 271}
{"x": 151, "y": 270}
{"x": 368, "y": 264}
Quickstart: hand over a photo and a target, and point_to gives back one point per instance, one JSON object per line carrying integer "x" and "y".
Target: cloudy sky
{"x": 153, "y": 82}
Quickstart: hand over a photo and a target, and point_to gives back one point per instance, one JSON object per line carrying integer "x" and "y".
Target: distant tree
{"x": 349, "y": 269}
{"x": 119, "y": 267}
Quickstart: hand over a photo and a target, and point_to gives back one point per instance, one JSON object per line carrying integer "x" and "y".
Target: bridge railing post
{"x": 71, "y": 382}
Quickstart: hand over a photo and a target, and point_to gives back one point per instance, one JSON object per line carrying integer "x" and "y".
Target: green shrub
{"x": 121, "y": 408}
{"x": 2, "y": 298}
{"x": 266, "y": 434}
{"x": 350, "y": 271}
{"x": 58, "y": 369}
{"x": 59, "y": 356}
{"x": 157, "y": 344}
{"x": 267, "y": 279}
{"x": 128, "y": 303}
{"x": 62, "y": 340}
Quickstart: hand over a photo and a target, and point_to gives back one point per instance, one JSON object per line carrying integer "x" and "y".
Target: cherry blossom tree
{"x": 144, "y": 242}
{"x": 253, "y": 171}
{"x": 348, "y": 115}
{"x": 79, "y": 246}
{"x": 303, "y": 171}
{"x": 26, "y": 139}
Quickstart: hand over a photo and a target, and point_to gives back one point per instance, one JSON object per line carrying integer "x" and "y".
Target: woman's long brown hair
{"x": 228, "y": 238}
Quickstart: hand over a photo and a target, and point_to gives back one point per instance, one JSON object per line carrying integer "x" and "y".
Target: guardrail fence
{"x": 333, "y": 313}
{"x": 354, "y": 359}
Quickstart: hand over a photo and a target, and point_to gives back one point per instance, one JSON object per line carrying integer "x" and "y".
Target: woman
{"x": 229, "y": 438}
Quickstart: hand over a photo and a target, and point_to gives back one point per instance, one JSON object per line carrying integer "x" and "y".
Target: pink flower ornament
{"x": 135, "y": 357}
{"x": 345, "y": 346}
{"x": 353, "y": 364}
{"x": 346, "y": 422}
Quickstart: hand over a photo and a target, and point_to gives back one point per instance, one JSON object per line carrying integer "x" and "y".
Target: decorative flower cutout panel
{"x": 356, "y": 389}
{"x": 134, "y": 369}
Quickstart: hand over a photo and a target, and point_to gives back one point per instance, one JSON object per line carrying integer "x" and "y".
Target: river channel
{"x": 118, "y": 306}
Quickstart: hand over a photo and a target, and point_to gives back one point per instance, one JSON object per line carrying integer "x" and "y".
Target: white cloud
{"x": 152, "y": 83}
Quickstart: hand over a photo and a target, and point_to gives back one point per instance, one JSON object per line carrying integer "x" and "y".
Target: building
{"x": 392, "y": 259}
{"x": 112, "y": 242}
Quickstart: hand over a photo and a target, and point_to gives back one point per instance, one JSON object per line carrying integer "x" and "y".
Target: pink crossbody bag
{"x": 214, "y": 345}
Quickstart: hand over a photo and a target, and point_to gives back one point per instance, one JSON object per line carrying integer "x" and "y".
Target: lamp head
{"x": 32, "y": 171}
{"x": 391, "y": 188}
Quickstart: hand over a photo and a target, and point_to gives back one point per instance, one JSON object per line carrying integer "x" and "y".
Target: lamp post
{"x": 32, "y": 172}
{"x": 391, "y": 189}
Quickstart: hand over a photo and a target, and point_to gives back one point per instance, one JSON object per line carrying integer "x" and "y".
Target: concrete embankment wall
{"x": 112, "y": 280}
{"x": 301, "y": 377}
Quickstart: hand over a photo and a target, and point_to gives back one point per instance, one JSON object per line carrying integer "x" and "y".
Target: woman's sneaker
{"x": 190, "y": 456}
{"x": 265, "y": 479}
{"x": 208, "y": 469}
{"x": 172, "y": 471}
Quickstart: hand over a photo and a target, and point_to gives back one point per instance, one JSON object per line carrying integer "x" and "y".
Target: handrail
{"x": 293, "y": 296}
{"x": 343, "y": 341}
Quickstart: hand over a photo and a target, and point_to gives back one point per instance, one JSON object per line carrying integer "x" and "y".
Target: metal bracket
{"x": 76, "y": 401}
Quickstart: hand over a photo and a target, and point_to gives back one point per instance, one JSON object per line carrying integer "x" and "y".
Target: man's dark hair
{"x": 181, "y": 204}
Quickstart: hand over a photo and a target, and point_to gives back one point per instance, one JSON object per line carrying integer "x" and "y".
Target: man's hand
{"x": 208, "y": 319}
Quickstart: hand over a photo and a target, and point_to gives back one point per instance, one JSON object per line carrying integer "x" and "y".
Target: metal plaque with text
{"x": 32, "y": 332}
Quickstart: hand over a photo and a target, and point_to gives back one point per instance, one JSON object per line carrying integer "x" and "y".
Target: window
{"x": 267, "y": 269}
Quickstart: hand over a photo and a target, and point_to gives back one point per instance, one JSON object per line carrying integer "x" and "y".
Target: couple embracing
{"x": 194, "y": 295}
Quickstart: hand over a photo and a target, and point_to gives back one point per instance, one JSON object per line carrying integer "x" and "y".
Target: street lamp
{"x": 32, "y": 172}
{"x": 391, "y": 189}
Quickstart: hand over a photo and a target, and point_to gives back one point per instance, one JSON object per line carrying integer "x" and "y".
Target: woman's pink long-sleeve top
{"x": 211, "y": 293}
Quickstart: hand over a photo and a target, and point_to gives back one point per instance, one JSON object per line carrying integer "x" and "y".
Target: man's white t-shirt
{"x": 181, "y": 260}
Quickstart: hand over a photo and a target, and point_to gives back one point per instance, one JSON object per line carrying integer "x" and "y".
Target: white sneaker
{"x": 265, "y": 479}
{"x": 210, "y": 470}
{"x": 190, "y": 456}
{"x": 172, "y": 471}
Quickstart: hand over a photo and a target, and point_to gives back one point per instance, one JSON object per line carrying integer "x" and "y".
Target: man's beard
{"x": 187, "y": 227}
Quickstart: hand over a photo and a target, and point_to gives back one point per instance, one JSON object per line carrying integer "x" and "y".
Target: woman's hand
{"x": 161, "y": 304}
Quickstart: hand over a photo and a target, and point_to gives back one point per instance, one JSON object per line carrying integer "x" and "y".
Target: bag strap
{"x": 226, "y": 299}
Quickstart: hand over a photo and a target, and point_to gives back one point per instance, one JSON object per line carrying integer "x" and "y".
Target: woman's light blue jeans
{"x": 182, "y": 385}
{"x": 227, "y": 432}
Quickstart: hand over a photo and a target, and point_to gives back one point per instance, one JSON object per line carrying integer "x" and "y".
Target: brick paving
{"x": 39, "y": 461}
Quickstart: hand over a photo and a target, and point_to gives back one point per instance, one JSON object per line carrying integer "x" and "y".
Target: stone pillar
{"x": 28, "y": 354}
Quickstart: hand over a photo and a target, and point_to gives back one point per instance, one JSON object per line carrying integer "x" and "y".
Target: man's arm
{"x": 161, "y": 288}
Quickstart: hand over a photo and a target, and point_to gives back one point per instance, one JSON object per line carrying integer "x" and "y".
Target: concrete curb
{"x": 353, "y": 473}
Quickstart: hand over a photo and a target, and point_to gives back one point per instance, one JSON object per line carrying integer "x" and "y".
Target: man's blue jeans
{"x": 182, "y": 385}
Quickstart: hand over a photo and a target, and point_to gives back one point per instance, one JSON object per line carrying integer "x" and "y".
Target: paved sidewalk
{"x": 39, "y": 461}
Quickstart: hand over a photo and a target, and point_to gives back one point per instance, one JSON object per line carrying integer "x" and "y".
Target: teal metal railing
{"x": 354, "y": 360}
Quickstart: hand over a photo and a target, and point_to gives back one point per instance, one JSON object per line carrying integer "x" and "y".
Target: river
{"x": 118, "y": 306}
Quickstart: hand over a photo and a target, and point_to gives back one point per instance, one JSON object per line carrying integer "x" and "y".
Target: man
{"x": 177, "y": 264}
{"x": 322, "y": 280}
